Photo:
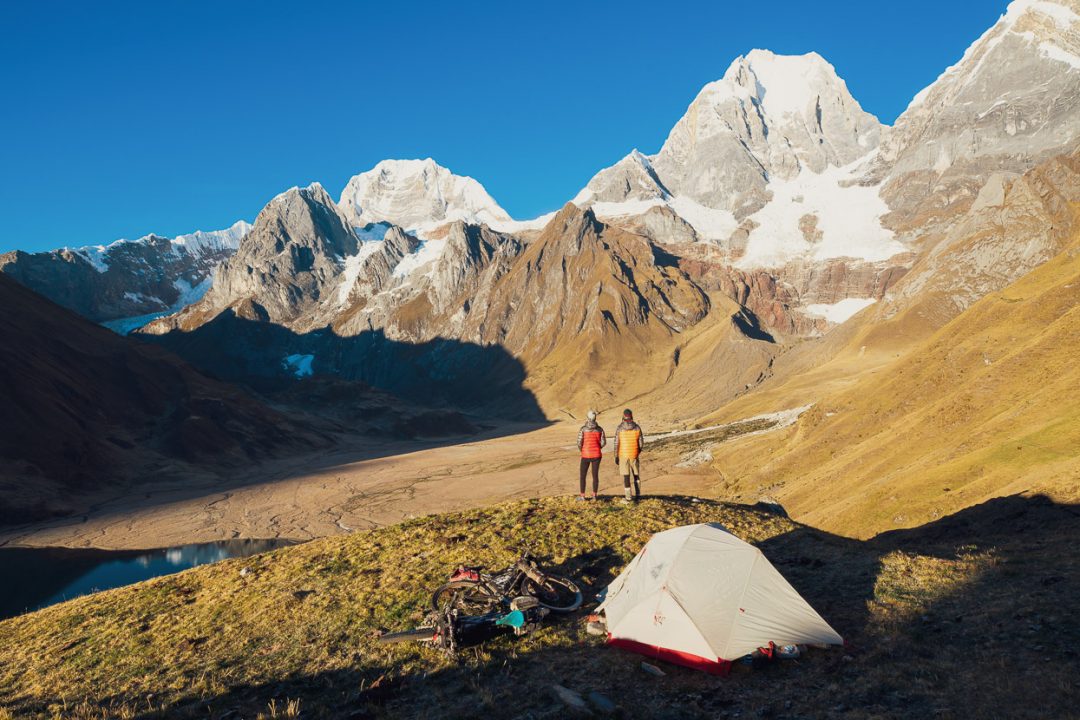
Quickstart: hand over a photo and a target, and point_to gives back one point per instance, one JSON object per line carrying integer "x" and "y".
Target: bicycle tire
{"x": 417, "y": 635}
{"x": 572, "y": 595}
{"x": 465, "y": 596}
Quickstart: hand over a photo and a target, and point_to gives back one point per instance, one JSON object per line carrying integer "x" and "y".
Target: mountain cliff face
{"x": 1011, "y": 101}
{"x": 289, "y": 262}
{"x": 128, "y": 278}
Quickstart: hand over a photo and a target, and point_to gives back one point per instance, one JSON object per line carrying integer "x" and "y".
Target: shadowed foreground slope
{"x": 84, "y": 409}
{"x": 969, "y": 617}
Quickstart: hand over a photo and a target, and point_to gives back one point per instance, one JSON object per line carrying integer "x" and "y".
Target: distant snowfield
{"x": 839, "y": 312}
{"x": 300, "y": 365}
{"x": 196, "y": 243}
{"x": 710, "y": 224}
{"x": 428, "y": 252}
{"x": 189, "y": 294}
{"x": 848, "y": 216}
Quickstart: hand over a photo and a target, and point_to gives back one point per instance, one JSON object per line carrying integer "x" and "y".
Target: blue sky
{"x": 120, "y": 119}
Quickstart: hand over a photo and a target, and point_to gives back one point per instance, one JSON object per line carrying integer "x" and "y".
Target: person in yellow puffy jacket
{"x": 629, "y": 440}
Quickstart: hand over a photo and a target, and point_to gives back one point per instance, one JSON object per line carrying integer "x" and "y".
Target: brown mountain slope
{"x": 84, "y": 408}
{"x": 585, "y": 313}
{"x": 595, "y": 313}
{"x": 1017, "y": 224}
{"x": 983, "y": 408}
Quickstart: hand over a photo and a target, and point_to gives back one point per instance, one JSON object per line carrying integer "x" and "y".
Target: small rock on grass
{"x": 571, "y": 699}
{"x": 652, "y": 669}
{"x": 601, "y": 703}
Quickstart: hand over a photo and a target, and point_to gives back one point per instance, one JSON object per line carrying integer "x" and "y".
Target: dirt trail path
{"x": 287, "y": 501}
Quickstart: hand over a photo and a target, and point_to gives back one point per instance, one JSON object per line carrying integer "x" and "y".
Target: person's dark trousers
{"x": 586, "y": 463}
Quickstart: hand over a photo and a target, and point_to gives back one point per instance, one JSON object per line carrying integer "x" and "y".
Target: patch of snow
{"x": 425, "y": 255}
{"x": 353, "y": 264}
{"x": 96, "y": 255}
{"x": 510, "y": 226}
{"x": 783, "y": 419}
{"x": 299, "y": 365}
{"x": 1049, "y": 50}
{"x": 848, "y": 217}
{"x": 125, "y": 326}
{"x": 623, "y": 208}
{"x": 372, "y": 232}
{"x": 839, "y": 312}
{"x": 190, "y": 293}
{"x": 200, "y": 243}
{"x": 708, "y": 223}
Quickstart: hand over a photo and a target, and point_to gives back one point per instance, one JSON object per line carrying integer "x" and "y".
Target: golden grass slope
{"x": 985, "y": 407}
{"x": 292, "y": 633}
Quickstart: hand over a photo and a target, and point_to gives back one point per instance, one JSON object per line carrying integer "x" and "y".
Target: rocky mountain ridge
{"x": 775, "y": 200}
{"x": 127, "y": 278}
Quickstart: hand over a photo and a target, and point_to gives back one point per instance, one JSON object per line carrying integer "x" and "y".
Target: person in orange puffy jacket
{"x": 591, "y": 440}
{"x": 629, "y": 440}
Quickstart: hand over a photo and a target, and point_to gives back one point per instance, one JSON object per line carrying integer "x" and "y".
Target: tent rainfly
{"x": 698, "y": 596}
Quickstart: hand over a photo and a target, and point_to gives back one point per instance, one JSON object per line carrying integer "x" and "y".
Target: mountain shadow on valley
{"x": 441, "y": 372}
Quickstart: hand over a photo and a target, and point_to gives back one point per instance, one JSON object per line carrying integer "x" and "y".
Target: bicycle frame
{"x": 505, "y": 583}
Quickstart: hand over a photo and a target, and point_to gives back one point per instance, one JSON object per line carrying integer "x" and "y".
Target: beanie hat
{"x": 591, "y": 414}
{"x": 628, "y": 414}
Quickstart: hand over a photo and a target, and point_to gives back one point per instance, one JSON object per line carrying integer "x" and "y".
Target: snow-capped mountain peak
{"x": 200, "y": 242}
{"x": 417, "y": 195}
{"x": 781, "y": 84}
{"x": 774, "y": 130}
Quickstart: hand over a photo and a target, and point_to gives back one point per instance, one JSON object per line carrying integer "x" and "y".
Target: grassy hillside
{"x": 982, "y": 408}
{"x": 938, "y": 625}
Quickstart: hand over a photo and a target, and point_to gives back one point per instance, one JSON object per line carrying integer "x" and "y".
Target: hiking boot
{"x": 626, "y": 501}
{"x": 595, "y": 497}
{"x": 581, "y": 498}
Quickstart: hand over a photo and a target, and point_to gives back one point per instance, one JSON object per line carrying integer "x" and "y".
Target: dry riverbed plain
{"x": 332, "y": 493}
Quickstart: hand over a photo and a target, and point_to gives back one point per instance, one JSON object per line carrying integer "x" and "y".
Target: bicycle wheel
{"x": 557, "y": 594}
{"x": 467, "y": 597}
{"x": 417, "y": 635}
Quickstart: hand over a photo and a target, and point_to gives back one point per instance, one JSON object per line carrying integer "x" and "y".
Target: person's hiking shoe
{"x": 581, "y": 497}
{"x": 626, "y": 501}
{"x": 595, "y": 497}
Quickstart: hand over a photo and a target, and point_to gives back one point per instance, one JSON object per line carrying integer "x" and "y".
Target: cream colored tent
{"x": 699, "y": 596}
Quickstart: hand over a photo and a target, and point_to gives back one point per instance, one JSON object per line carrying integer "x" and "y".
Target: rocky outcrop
{"x": 288, "y": 265}
{"x": 1015, "y": 224}
{"x": 127, "y": 278}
